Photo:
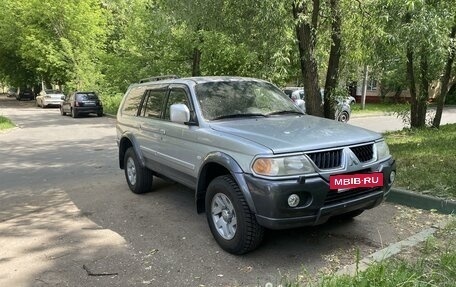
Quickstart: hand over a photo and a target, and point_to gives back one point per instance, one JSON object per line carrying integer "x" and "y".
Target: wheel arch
{"x": 126, "y": 142}
{"x": 214, "y": 165}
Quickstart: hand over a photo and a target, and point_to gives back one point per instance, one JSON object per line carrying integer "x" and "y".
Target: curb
{"x": 110, "y": 116}
{"x": 391, "y": 250}
{"x": 421, "y": 201}
{"x": 386, "y": 253}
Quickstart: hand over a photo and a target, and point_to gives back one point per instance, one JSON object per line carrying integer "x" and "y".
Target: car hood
{"x": 284, "y": 134}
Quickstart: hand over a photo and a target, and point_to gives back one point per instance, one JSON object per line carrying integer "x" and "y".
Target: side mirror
{"x": 179, "y": 113}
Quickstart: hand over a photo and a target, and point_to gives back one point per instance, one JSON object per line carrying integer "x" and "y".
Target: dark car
{"x": 81, "y": 103}
{"x": 25, "y": 94}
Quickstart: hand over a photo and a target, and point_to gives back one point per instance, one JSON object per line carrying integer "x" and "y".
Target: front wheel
{"x": 74, "y": 114}
{"x": 232, "y": 224}
{"x": 62, "y": 112}
{"x": 343, "y": 117}
{"x": 139, "y": 178}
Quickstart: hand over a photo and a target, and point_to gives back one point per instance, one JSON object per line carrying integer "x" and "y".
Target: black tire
{"x": 141, "y": 180}
{"x": 74, "y": 114}
{"x": 248, "y": 234}
{"x": 343, "y": 117}
{"x": 100, "y": 114}
{"x": 62, "y": 112}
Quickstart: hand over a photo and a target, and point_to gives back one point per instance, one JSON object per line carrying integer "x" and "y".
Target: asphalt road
{"x": 386, "y": 123}
{"x": 67, "y": 218}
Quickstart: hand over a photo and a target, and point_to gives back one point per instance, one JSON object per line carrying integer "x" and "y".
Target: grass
{"x": 378, "y": 108}
{"x": 432, "y": 264}
{"x": 426, "y": 159}
{"x": 5, "y": 123}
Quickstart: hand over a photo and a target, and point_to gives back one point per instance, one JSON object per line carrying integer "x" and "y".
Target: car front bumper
{"x": 317, "y": 202}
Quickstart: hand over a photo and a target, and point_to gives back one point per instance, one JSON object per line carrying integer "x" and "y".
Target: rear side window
{"x": 132, "y": 101}
{"x": 153, "y": 103}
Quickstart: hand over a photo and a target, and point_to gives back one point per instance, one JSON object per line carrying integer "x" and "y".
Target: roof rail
{"x": 158, "y": 78}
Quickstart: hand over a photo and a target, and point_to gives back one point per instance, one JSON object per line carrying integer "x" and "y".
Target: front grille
{"x": 327, "y": 159}
{"x": 335, "y": 197}
{"x": 364, "y": 153}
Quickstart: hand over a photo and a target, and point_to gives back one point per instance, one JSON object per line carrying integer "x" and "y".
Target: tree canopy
{"x": 105, "y": 45}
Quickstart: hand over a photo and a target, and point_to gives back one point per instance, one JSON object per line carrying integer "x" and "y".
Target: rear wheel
{"x": 139, "y": 178}
{"x": 232, "y": 224}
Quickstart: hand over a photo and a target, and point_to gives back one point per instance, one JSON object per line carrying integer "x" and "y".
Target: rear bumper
{"x": 49, "y": 103}
{"x": 317, "y": 202}
{"x": 88, "y": 110}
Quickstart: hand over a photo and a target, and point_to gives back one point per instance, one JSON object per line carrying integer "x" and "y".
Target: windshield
{"x": 228, "y": 99}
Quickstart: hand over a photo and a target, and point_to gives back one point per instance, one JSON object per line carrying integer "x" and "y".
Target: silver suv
{"x": 254, "y": 159}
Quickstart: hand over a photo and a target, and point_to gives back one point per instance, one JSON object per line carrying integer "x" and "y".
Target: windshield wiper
{"x": 239, "y": 116}
{"x": 285, "y": 112}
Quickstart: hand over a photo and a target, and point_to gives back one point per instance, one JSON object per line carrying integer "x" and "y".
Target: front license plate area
{"x": 343, "y": 182}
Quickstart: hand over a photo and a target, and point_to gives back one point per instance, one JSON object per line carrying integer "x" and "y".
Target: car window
{"x": 153, "y": 103}
{"x": 133, "y": 101}
{"x": 86, "y": 97}
{"x": 176, "y": 96}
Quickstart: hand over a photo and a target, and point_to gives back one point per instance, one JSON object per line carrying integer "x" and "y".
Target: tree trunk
{"x": 332, "y": 75}
{"x": 412, "y": 87}
{"x": 196, "y": 71}
{"x": 305, "y": 33}
{"x": 364, "y": 91}
{"x": 445, "y": 80}
{"x": 424, "y": 89}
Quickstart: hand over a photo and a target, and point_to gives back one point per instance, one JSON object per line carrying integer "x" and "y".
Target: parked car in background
{"x": 25, "y": 94}
{"x": 343, "y": 109}
{"x": 48, "y": 98}
{"x": 351, "y": 100}
{"x": 253, "y": 158}
{"x": 12, "y": 92}
{"x": 81, "y": 103}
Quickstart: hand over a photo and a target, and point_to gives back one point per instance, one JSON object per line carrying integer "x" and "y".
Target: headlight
{"x": 282, "y": 166}
{"x": 382, "y": 150}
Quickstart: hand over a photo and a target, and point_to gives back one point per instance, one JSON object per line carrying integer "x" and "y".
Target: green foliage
{"x": 105, "y": 46}
{"x": 5, "y": 123}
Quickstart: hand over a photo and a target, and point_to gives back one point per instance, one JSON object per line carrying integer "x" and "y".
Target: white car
{"x": 343, "y": 109}
{"x": 48, "y": 98}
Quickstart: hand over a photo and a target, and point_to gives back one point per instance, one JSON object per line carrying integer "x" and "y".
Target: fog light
{"x": 392, "y": 176}
{"x": 293, "y": 200}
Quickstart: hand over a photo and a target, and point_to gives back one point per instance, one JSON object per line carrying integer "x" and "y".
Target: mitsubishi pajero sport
{"x": 253, "y": 158}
